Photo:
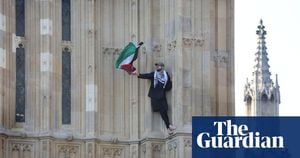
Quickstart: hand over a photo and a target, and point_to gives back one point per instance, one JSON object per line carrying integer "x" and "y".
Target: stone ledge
{"x": 69, "y": 137}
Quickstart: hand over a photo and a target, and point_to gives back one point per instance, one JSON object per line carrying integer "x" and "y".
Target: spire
{"x": 261, "y": 69}
{"x": 261, "y": 95}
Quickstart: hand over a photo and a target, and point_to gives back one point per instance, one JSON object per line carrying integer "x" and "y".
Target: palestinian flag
{"x": 128, "y": 55}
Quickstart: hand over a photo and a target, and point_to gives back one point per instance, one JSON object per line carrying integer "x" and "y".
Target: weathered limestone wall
{"x": 110, "y": 111}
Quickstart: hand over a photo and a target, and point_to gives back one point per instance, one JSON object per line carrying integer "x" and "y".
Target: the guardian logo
{"x": 237, "y": 136}
{"x": 245, "y": 137}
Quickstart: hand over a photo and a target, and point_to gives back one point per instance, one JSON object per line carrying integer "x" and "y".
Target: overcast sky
{"x": 282, "y": 21}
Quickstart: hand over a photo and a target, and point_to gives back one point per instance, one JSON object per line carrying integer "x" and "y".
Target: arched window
{"x": 66, "y": 20}
{"x": 249, "y": 100}
{"x": 264, "y": 98}
{"x": 20, "y": 18}
{"x": 66, "y": 86}
{"x": 272, "y": 98}
{"x": 20, "y": 63}
{"x": 66, "y": 62}
{"x": 20, "y": 85}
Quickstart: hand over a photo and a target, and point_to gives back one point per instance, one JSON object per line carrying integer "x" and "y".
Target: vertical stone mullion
{"x": 98, "y": 64}
{"x": 34, "y": 40}
{"x": 5, "y": 48}
{"x": 197, "y": 57}
{"x": 31, "y": 46}
{"x": 44, "y": 148}
{"x": 2, "y": 63}
{"x": 56, "y": 65}
{"x": 120, "y": 106}
{"x": 195, "y": 66}
{"x": 178, "y": 88}
{"x": 156, "y": 47}
{"x": 221, "y": 51}
{"x": 30, "y": 106}
{"x": 145, "y": 65}
{"x": 207, "y": 48}
{"x": 162, "y": 28}
{"x": 188, "y": 52}
{"x": 197, "y": 81}
{"x": 140, "y": 88}
{"x": 102, "y": 72}
{"x": 77, "y": 88}
{"x": 133, "y": 26}
{"x": 168, "y": 55}
{"x": 187, "y": 83}
{"x": 46, "y": 66}
{"x": 125, "y": 79}
{"x": 8, "y": 91}
{"x": 200, "y": 78}
{"x": 230, "y": 49}
{"x": 91, "y": 86}
{"x": 84, "y": 66}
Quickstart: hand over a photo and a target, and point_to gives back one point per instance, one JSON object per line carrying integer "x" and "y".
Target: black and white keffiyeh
{"x": 161, "y": 77}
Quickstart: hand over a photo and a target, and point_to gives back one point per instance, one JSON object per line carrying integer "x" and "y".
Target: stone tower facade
{"x": 262, "y": 95}
{"x": 61, "y": 97}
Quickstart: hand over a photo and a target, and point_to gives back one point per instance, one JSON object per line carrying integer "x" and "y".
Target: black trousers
{"x": 161, "y": 106}
{"x": 164, "y": 116}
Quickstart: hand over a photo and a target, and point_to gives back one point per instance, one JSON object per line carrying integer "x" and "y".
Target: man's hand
{"x": 136, "y": 73}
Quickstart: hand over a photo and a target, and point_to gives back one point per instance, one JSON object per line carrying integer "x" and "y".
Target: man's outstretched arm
{"x": 144, "y": 76}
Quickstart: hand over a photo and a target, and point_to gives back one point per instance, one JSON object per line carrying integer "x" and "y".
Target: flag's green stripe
{"x": 127, "y": 52}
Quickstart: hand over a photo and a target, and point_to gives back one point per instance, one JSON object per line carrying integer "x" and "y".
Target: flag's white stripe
{"x": 126, "y": 61}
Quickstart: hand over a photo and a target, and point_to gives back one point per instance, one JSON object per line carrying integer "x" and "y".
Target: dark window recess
{"x": 66, "y": 20}
{"x": 264, "y": 98}
{"x": 66, "y": 87}
{"x": 20, "y": 85}
{"x": 249, "y": 100}
{"x": 20, "y": 18}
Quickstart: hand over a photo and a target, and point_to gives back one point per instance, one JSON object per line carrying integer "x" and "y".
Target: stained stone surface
{"x": 77, "y": 104}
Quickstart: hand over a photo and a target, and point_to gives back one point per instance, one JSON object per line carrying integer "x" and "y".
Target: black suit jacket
{"x": 155, "y": 93}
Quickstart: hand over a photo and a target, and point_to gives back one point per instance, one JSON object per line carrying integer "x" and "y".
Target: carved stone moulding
{"x": 156, "y": 48}
{"x": 171, "y": 45}
{"x": 143, "y": 50}
{"x": 134, "y": 150}
{"x": 68, "y": 149}
{"x": 187, "y": 142}
{"x": 20, "y": 41}
{"x": 133, "y": 37}
{"x": 112, "y": 151}
{"x": 199, "y": 42}
{"x": 156, "y": 147}
{"x": 172, "y": 145}
{"x": 189, "y": 41}
{"x": 114, "y": 51}
{"x": 90, "y": 147}
{"x": 144, "y": 148}
{"x": 67, "y": 46}
{"x": 221, "y": 57}
{"x": 21, "y": 146}
{"x": 91, "y": 32}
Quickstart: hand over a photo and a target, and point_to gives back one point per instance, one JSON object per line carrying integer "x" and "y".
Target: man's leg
{"x": 164, "y": 116}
